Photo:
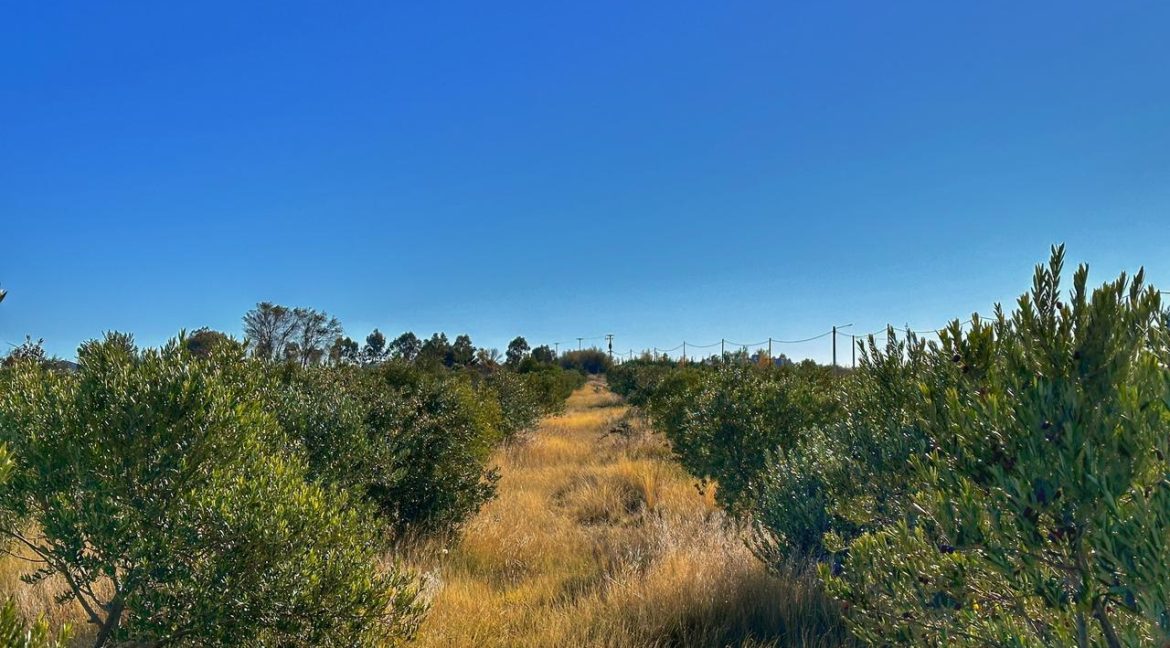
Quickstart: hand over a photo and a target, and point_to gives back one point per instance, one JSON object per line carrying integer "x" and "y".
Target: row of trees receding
{"x": 1006, "y": 485}
{"x": 220, "y": 493}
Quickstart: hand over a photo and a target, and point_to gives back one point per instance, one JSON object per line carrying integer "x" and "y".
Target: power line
{"x": 752, "y": 344}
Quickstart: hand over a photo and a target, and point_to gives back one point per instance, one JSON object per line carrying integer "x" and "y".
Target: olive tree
{"x": 1042, "y": 513}
{"x": 154, "y": 484}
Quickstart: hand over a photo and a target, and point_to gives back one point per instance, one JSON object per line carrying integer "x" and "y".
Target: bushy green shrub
{"x": 412, "y": 439}
{"x": 439, "y": 431}
{"x": 1007, "y": 485}
{"x": 1042, "y": 509}
{"x": 852, "y": 473}
{"x": 739, "y": 415}
{"x": 158, "y": 488}
{"x": 590, "y": 361}
{"x": 724, "y": 422}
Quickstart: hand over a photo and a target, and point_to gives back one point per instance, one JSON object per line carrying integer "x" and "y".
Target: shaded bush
{"x": 590, "y": 361}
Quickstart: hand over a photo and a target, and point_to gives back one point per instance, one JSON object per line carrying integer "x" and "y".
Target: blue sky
{"x": 660, "y": 171}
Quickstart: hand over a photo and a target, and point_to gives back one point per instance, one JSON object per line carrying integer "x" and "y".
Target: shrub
{"x": 438, "y": 432}
{"x": 160, "y": 494}
{"x": 590, "y": 361}
{"x": 852, "y": 474}
{"x": 724, "y": 422}
{"x": 1042, "y": 514}
{"x": 740, "y": 415}
{"x": 414, "y": 441}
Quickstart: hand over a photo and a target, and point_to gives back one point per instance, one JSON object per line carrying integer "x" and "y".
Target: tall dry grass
{"x": 39, "y": 599}
{"x": 600, "y": 539}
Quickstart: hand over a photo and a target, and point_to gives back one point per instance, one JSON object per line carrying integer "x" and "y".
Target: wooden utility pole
{"x": 684, "y": 358}
{"x": 609, "y": 341}
{"x": 834, "y": 347}
{"x": 579, "y": 343}
{"x": 722, "y": 350}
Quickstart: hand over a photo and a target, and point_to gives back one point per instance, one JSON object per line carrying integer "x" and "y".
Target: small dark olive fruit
{"x": 966, "y": 368}
{"x": 1158, "y": 453}
{"x": 946, "y": 548}
{"x": 1046, "y": 424}
{"x": 1076, "y": 355}
{"x": 1060, "y": 305}
{"x": 956, "y": 358}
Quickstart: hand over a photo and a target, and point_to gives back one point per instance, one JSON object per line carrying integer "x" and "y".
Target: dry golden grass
{"x": 38, "y": 599}
{"x": 600, "y": 539}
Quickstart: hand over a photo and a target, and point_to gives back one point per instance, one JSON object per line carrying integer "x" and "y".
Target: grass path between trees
{"x": 598, "y": 538}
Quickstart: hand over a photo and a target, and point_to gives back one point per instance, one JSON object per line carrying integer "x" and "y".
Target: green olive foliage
{"x": 413, "y": 441}
{"x": 157, "y": 487}
{"x": 1042, "y": 513}
{"x": 724, "y": 422}
{"x": 1007, "y": 485}
{"x": 852, "y": 473}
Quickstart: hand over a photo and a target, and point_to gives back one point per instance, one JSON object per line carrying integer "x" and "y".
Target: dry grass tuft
{"x": 39, "y": 599}
{"x": 598, "y": 538}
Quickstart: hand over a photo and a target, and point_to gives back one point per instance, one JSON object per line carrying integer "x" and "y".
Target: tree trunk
{"x": 113, "y": 618}
{"x": 1111, "y": 638}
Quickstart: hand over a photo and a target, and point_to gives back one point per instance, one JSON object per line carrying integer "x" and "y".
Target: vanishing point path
{"x": 598, "y": 538}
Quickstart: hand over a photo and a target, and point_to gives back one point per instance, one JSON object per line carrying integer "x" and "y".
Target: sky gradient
{"x": 659, "y": 171}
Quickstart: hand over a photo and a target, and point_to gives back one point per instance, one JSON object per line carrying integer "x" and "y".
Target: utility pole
{"x": 579, "y": 343}
{"x": 558, "y": 351}
{"x": 609, "y": 340}
{"x": 684, "y": 358}
{"x": 853, "y": 339}
{"x": 835, "y": 343}
{"x": 722, "y": 350}
{"x": 769, "y": 350}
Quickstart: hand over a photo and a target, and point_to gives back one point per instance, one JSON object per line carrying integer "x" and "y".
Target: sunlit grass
{"x": 598, "y": 538}
{"x": 39, "y": 599}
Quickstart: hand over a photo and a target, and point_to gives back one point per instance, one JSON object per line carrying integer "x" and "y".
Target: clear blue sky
{"x": 661, "y": 171}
